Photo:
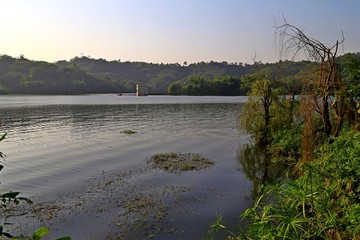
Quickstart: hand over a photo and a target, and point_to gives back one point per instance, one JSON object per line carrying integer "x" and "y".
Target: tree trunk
{"x": 326, "y": 116}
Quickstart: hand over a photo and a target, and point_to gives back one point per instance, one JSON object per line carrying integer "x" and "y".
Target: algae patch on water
{"x": 128, "y": 131}
{"x": 179, "y": 162}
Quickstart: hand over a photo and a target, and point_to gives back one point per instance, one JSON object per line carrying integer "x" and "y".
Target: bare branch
{"x": 291, "y": 40}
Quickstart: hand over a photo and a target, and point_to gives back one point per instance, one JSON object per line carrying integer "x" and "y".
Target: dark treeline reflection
{"x": 254, "y": 161}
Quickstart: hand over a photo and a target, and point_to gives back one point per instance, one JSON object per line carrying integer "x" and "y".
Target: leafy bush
{"x": 286, "y": 146}
{"x": 324, "y": 203}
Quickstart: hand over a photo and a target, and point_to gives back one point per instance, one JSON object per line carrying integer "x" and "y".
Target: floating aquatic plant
{"x": 179, "y": 162}
{"x": 128, "y": 131}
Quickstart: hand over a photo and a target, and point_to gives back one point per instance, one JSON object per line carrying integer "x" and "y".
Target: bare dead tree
{"x": 326, "y": 91}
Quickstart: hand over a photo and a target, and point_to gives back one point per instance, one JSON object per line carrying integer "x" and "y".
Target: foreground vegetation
{"x": 322, "y": 203}
{"x": 316, "y": 135}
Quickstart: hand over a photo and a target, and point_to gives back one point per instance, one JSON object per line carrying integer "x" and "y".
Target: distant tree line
{"x": 287, "y": 73}
{"x": 200, "y": 85}
{"x": 20, "y": 75}
{"x": 86, "y": 75}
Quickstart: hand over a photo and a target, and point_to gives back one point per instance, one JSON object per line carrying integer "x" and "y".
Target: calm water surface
{"x": 57, "y": 143}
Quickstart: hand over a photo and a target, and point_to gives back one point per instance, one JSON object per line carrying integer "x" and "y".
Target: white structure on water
{"x": 140, "y": 90}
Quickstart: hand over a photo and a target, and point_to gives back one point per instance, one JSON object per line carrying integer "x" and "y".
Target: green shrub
{"x": 286, "y": 146}
{"x": 324, "y": 203}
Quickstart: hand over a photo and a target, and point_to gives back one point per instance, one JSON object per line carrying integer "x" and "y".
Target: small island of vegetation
{"x": 179, "y": 162}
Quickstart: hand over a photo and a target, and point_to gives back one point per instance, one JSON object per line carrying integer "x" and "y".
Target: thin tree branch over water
{"x": 292, "y": 40}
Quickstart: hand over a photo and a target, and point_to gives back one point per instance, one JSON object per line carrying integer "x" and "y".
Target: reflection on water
{"x": 255, "y": 163}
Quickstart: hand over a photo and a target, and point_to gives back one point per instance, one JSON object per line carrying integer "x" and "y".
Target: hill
{"x": 83, "y": 75}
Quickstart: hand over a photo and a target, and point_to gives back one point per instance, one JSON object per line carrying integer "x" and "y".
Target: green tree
{"x": 175, "y": 88}
{"x": 350, "y": 63}
{"x": 227, "y": 85}
{"x": 259, "y": 110}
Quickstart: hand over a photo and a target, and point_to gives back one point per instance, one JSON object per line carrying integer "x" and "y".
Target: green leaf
{"x": 3, "y": 137}
{"x": 11, "y": 195}
{"x": 39, "y": 233}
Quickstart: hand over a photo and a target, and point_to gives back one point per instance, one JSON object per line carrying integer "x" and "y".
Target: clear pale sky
{"x": 168, "y": 31}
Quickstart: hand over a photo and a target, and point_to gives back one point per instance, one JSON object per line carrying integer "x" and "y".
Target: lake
{"x": 70, "y": 154}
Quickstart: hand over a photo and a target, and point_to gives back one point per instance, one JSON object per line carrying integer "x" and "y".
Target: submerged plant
{"x": 179, "y": 162}
{"x": 8, "y": 203}
{"x": 144, "y": 214}
{"x": 128, "y": 131}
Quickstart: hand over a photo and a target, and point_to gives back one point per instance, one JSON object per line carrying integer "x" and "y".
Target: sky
{"x": 169, "y": 31}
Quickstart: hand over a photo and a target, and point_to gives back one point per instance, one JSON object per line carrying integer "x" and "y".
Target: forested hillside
{"x": 123, "y": 76}
{"x": 20, "y": 75}
{"x": 86, "y": 75}
{"x": 288, "y": 73}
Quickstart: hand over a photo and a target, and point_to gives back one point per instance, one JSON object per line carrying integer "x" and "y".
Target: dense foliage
{"x": 316, "y": 135}
{"x": 291, "y": 74}
{"x": 323, "y": 203}
{"x": 199, "y": 85}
